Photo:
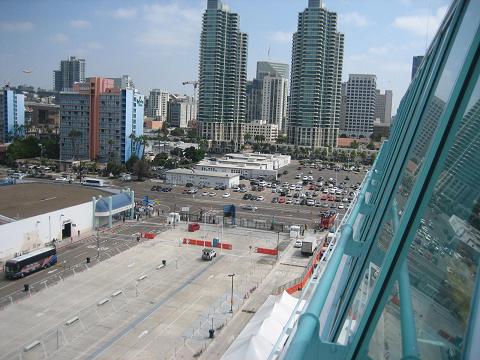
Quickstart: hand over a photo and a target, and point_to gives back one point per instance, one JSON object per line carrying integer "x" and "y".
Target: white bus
{"x": 94, "y": 182}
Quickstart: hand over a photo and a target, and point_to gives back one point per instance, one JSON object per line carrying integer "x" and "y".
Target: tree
{"x": 354, "y": 144}
{"x": 177, "y": 132}
{"x": 141, "y": 169}
{"x": 73, "y": 135}
{"x": 176, "y": 152}
{"x": 23, "y": 149}
{"x": 142, "y": 140}
{"x": 193, "y": 154}
{"x": 115, "y": 168}
{"x": 130, "y": 162}
{"x": 371, "y": 146}
{"x": 247, "y": 137}
{"x": 160, "y": 159}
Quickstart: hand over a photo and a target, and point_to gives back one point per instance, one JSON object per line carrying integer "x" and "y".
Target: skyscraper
{"x": 158, "y": 104}
{"x": 274, "y": 100}
{"x": 254, "y": 100}
{"x": 223, "y": 75}
{"x": 71, "y": 71}
{"x": 360, "y": 99}
{"x": 12, "y": 114}
{"x": 265, "y": 68}
{"x": 98, "y": 121}
{"x": 383, "y": 107}
{"x": 417, "y": 60}
{"x": 317, "y": 60}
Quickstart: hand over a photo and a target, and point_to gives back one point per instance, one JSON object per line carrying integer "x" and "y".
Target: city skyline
{"x": 164, "y": 35}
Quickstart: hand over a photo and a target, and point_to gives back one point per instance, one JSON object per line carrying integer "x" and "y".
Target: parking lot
{"x": 287, "y": 209}
{"x": 132, "y": 307}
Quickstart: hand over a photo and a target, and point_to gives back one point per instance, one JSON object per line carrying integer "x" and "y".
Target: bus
{"x": 23, "y": 265}
{"x": 94, "y": 182}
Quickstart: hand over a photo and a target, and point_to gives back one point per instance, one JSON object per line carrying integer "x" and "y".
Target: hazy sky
{"x": 157, "y": 42}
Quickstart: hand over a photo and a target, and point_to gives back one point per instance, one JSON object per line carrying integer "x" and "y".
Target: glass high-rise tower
{"x": 223, "y": 75}
{"x": 315, "y": 91}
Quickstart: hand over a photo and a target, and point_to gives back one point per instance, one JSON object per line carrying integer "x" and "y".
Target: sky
{"x": 156, "y": 42}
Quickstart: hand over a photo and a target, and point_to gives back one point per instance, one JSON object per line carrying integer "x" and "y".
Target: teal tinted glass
{"x": 415, "y": 160}
{"x": 443, "y": 256}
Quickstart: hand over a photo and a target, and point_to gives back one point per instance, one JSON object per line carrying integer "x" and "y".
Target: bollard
{"x": 212, "y": 333}
{"x": 164, "y": 262}
{"x": 88, "y": 260}
{"x": 26, "y": 287}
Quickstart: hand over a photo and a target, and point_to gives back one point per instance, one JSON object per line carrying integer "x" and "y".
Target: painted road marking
{"x": 52, "y": 271}
{"x": 143, "y": 334}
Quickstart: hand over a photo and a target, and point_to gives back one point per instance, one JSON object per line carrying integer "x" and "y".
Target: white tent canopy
{"x": 257, "y": 339}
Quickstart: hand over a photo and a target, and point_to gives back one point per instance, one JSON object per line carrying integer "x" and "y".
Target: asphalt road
{"x": 72, "y": 258}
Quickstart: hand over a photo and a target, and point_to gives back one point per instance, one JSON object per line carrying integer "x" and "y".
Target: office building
{"x": 259, "y": 129}
{"x": 274, "y": 100}
{"x": 12, "y": 115}
{"x": 317, "y": 61}
{"x": 416, "y": 61}
{"x": 383, "y": 107}
{"x": 44, "y": 118}
{"x": 158, "y": 104}
{"x": 124, "y": 82}
{"x": 100, "y": 122}
{"x": 254, "y": 100}
{"x": 71, "y": 71}
{"x": 182, "y": 111}
{"x": 223, "y": 75}
{"x": 274, "y": 69}
{"x": 360, "y": 99}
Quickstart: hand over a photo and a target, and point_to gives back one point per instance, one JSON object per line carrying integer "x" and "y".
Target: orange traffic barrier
{"x": 267, "y": 251}
{"x": 206, "y": 243}
{"x": 148, "y": 235}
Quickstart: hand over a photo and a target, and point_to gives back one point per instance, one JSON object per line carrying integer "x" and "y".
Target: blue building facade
{"x": 12, "y": 115}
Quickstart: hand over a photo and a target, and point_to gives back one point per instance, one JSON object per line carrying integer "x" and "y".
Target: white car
{"x": 341, "y": 206}
{"x": 226, "y": 195}
{"x": 235, "y": 189}
{"x": 205, "y": 193}
{"x": 289, "y": 201}
{"x": 249, "y": 207}
{"x": 305, "y": 178}
{"x": 298, "y": 244}
{"x": 212, "y": 194}
{"x": 262, "y": 183}
{"x": 62, "y": 179}
{"x": 260, "y": 198}
{"x": 292, "y": 187}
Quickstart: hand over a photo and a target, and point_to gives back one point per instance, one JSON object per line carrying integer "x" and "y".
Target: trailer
{"x": 309, "y": 246}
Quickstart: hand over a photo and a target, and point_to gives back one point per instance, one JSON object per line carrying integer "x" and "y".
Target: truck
{"x": 327, "y": 220}
{"x": 309, "y": 246}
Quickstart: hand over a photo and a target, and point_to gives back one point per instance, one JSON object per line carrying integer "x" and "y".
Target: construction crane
{"x": 195, "y": 85}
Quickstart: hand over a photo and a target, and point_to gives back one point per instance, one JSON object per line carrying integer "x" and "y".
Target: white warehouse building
{"x": 248, "y": 165}
{"x": 202, "y": 178}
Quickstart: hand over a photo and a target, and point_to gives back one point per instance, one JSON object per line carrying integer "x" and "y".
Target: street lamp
{"x": 231, "y": 297}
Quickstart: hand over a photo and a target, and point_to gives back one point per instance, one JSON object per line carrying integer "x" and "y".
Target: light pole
{"x": 278, "y": 240}
{"x": 231, "y": 297}
{"x": 49, "y": 229}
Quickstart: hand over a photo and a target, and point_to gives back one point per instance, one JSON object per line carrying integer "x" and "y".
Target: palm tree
{"x": 142, "y": 142}
{"x": 247, "y": 137}
{"x": 73, "y": 135}
{"x": 133, "y": 139}
{"x": 110, "y": 150}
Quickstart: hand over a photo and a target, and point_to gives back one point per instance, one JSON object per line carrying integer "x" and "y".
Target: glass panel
{"x": 416, "y": 157}
{"x": 443, "y": 256}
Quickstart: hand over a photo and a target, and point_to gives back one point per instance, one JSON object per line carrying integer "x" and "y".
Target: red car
{"x": 281, "y": 200}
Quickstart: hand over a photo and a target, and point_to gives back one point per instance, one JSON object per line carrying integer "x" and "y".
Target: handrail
{"x": 308, "y": 324}
{"x": 407, "y": 318}
{"x": 330, "y": 250}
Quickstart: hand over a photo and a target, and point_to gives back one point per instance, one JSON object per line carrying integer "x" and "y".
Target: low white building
{"x": 248, "y": 165}
{"x": 202, "y": 178}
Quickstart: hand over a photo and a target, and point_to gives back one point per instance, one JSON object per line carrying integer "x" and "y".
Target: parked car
{"x": 249, "y": 207}
{"x": 298, "y": 244}
{"x": 212, "y": 194}
{"x": 260, "y": 198}
{"x": 226, "y": 195}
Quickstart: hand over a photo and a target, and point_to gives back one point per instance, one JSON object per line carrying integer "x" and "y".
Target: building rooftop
{"x": 201, "y": 173}
{"x": 25, "y": 200}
